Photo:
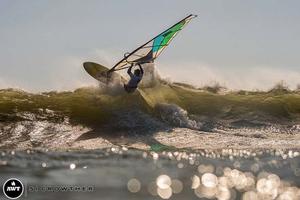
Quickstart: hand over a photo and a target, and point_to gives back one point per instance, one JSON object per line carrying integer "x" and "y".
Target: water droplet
{"x": 163, "y": 181}
{"x": 195, "y": 182}
{"x": 176, "y": 186}
{"x": 180, "y": 165}
{"x": 209, "y": 180}
{"x": 223, "y": 193}
{"x": 134, "y": 185}
{"x": 250, "y": 195}
{"x": 72, "y": 166}
{"x": 164, "y": 193}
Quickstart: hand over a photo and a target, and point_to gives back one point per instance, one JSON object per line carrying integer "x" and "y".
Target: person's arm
{"x": 142, "y": 71}
{"x": 129, "y": 70}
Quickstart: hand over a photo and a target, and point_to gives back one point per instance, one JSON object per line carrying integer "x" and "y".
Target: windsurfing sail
{"x": 149, "y": 51}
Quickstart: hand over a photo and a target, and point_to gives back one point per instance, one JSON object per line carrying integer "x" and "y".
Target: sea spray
{"x": 112, "y": 85}
{"x": 176, "y": 116}
{"x": 151, "y": 76}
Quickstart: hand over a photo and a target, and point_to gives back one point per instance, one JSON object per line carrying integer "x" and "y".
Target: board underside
{"x": 99, "y": 72}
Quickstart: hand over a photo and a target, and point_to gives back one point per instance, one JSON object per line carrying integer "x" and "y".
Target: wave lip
{"x": 54, "y": 118}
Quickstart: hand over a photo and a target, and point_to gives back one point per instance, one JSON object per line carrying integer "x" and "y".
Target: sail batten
{"x": 149, "y": 51}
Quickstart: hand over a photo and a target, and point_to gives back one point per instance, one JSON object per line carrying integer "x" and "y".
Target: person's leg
{"x": 129, "y": 89}
{"x": 125, "y": 87}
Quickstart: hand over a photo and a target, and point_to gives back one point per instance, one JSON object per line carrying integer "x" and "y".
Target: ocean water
{"x": 170, "y": 141}
{"x": 121, "y": 173}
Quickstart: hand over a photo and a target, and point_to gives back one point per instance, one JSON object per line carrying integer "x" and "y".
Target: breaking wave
{"x": 54, "y": 118}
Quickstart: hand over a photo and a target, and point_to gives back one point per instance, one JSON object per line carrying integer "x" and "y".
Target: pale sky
{"x": 241, "y": 44}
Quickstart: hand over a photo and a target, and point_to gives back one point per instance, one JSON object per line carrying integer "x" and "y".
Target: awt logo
{"x": 13, "y": 188}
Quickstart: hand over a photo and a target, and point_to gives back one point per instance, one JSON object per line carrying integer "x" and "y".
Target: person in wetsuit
{"x": 135, "y": 78}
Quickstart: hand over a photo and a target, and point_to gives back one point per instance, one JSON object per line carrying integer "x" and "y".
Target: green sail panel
{"x": 170, "y": 33}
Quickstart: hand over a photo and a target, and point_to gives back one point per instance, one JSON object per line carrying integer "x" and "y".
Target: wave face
{"x": 54, "y": 118}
